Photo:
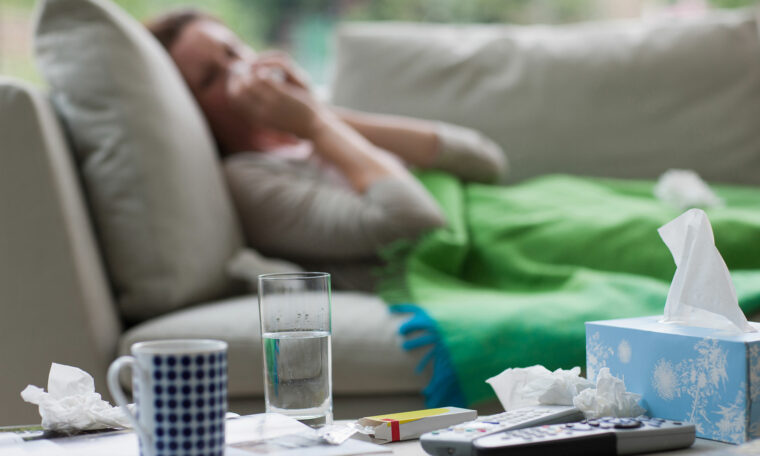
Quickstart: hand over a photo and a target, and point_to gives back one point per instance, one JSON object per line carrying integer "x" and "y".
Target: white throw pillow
{"x": 617, "y": 99}
{"x": 158, "y": 199}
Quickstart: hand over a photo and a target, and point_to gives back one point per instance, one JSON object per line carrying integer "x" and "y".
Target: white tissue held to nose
{"x": 243, "y": 69}
{"x": 702, "y": 292}
{"x": 71, "y": 403}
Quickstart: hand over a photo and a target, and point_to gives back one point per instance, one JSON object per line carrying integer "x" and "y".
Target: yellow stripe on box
{"x": 406, "y": 417}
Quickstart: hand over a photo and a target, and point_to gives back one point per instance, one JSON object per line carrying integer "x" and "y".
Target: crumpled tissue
{"x": 537, "y": 385}
{"x": 683, "y": 189}
{"x": 609, "y": 398}
{"x": 526, "y": 386}
{"x": 702, "y": 292}
{"x": 71, "y": 403}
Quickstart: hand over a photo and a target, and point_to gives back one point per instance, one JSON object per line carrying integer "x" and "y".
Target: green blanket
{"x": 512, "y": 279}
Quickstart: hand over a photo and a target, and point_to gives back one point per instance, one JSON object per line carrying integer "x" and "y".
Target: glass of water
{"x": 295, "y": 336}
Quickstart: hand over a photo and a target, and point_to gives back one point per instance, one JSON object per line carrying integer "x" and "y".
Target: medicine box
{"x": 410, "y": 425}
{"x": 705, "y": 376}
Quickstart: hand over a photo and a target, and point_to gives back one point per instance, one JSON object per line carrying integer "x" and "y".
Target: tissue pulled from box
{"x": 71, "y": 403}
{"x": 702, "y": 293}
{"x": 534, "y": 385}
{"x": 683, "y": 189}
{"x": 609, "y": 398}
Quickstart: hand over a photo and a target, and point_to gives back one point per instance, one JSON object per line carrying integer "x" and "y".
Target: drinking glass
{"x": 295, "y": 337}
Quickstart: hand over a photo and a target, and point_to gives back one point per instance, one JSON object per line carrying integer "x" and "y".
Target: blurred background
{"x": 304, "y": 27}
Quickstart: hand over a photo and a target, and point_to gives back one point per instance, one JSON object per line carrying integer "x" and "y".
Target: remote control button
{"x": 581, "y": 427}
{"x": 627, "y": 424}
{"x": 606, "y": 425}
{"x": 677, "y": 423}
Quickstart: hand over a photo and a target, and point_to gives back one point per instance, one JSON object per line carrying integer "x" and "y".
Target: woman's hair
{"x": 168, "y": 26}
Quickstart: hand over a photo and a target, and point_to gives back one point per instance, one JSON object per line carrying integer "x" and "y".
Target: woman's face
{"x": 204, "y": 52}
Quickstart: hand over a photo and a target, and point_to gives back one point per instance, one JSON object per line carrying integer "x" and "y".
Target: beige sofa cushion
{"x": 619, "y": 99}
{"x": 160, "y": 206}
{"x": 366, "y": 346}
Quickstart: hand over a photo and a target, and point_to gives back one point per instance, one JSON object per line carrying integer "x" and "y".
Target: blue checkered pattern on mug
{"x": 190, "y": 401}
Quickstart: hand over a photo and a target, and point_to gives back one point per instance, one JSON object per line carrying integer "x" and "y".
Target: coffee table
{"x": 413, "y": 447}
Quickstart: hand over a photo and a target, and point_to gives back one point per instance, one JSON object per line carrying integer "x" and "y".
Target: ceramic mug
{"x": 180, "y": 391}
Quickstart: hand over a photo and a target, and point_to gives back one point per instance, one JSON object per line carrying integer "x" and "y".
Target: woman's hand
{"x": 273, "y": 96}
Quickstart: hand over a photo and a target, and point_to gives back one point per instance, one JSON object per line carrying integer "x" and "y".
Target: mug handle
{"x": 114, "y": 385}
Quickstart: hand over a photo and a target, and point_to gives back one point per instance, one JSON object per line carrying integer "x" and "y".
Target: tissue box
{"x": 410, "y": 425}
{"x": 705, "y": 376}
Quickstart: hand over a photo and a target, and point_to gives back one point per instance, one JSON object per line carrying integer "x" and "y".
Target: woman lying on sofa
{"x": 313, "y": 183}
{"x": 516, "y": 271}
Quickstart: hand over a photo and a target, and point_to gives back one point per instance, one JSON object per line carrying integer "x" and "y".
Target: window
{"x": 304, "y": 27}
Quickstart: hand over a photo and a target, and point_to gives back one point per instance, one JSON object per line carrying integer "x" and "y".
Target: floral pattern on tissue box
{"x": 705, "y": 376}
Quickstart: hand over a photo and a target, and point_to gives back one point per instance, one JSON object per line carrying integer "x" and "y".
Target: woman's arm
{"x": 303, "y": 215}
{"x": 413, "y": 140}
{"x": 357, "y": 158}
{"x": 461, "y": 151}
{"x": 291, "y": 108}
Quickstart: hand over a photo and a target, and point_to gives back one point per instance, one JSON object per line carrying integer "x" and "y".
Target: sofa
{"x": 59, "y": 306}
{"x": 615, "y": 99}
{"x": 79, "y": 292}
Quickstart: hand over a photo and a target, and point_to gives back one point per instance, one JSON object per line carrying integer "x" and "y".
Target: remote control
{"x": 457, "y": 440}
{"x": 603, "y": 436}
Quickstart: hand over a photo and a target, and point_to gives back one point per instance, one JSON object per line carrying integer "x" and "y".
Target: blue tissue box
{"x": 705, "y": 376}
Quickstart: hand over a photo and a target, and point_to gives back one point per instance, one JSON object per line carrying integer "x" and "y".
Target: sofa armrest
{"x": 55, "y": 301}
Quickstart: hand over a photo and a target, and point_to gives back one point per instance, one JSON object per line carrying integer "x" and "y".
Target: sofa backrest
{"x": 618, "y": 99}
